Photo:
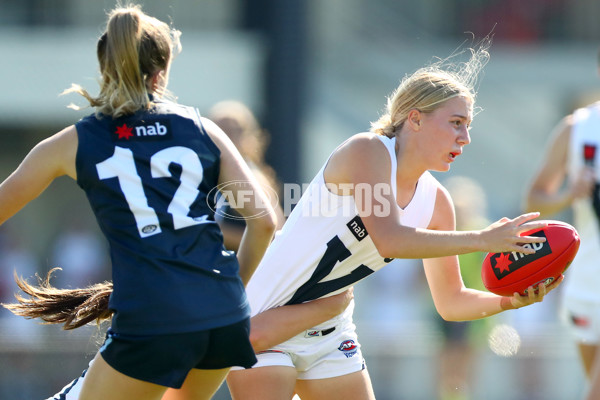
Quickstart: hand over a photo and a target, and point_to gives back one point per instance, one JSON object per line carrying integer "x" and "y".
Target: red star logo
{"x": 124, "y": 132}
{"x": 503, "y": 262}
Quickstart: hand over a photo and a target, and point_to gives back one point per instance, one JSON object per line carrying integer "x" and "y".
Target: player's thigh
{"x": 104, "y": 382}
{"x": 354, "y": 386}
{"x": 200, "y": 384}
{"x": 262, "y": 383}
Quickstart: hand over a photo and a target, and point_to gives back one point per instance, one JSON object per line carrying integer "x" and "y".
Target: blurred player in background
{"x": 147, "y": 166}
{"x": 242, "y": 127}
{"x": 569, "y": 177}
{"x": 374, "y": 200}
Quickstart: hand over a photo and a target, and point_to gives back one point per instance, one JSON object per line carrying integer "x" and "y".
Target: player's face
{"x": 445, "y": 132}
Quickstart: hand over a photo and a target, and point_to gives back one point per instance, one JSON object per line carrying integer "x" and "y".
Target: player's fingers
{"x": 350, "y": 292}
{"x": 532, "y": 226}
{"x": 521, "y": 219}
{"x": 555, "y": 284}
{"x": 531, "y": 239}
{"x": 531, "y": 294}
{"x": 542, "y": 291}
{"x": 522, "y": 246}
{"x": 519, "y": 300}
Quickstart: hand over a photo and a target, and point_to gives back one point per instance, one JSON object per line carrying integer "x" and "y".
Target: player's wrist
{"x": 507, "y": 304}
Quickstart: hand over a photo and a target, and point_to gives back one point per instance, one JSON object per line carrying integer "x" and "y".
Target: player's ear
{"x": 414, "y": 119}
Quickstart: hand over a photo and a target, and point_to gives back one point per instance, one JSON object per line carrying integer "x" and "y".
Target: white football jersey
{"x": 583, "y": 277}
{"x": 324, "y": 248}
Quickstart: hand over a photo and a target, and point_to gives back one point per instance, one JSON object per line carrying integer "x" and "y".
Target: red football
{"x": 507, "y": 273}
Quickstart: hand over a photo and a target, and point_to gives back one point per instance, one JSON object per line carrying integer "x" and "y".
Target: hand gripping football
{"x": 507, "y": 273}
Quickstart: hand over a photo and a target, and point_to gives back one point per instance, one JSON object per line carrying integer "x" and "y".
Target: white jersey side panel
{"x": 583, "y": 276}
{"x": 324, "y": 248}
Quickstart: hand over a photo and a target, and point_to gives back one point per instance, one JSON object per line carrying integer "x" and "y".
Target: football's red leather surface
{"x": 507, "y": 273}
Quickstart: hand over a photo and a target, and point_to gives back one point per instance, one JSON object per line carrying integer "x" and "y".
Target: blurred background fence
{"x": 315, "y": 72}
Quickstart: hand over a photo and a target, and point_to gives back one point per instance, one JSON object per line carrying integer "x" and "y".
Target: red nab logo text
{"x": 348, "y": 347}
{"x": 143, "y": 130}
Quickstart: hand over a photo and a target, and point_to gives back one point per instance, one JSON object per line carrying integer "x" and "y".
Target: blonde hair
{"x": 133, "y": 49}
{"x": 430, "y": 86}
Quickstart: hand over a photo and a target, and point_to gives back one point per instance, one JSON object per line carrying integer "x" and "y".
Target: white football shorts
{"x": 323, "y": 352}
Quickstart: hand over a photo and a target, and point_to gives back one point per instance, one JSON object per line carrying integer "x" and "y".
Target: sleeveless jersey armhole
{"x": 390, "y": 145}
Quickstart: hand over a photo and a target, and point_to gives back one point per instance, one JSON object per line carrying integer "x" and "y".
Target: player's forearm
{"x": 423, "y": 243}
{"x": 275, "y": 326}
{"x": 548, "y": 204}
{"x": 473, "y": 304}
{"x": 255, "y": 240}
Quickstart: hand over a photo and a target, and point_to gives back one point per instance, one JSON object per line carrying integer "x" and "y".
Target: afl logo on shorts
{"x": 348, "y": 347}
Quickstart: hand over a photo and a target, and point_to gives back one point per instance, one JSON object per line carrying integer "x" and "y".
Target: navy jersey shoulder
{"x": 151, "y": 181}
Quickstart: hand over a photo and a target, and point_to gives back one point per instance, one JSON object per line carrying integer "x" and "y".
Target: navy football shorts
{"x": 167, "y": 359}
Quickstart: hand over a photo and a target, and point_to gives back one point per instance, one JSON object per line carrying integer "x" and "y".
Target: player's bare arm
{"x": 454, "y": 301}
{"x": 346, "y": 167}
{"x": 260, "y": 217}
{"x": 276, "y": 325}
{"x": 545, "y": 194}
{"x": 49, "y": 159}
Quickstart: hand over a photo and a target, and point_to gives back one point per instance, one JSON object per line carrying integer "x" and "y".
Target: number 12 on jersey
{"x": 121, "y": 165}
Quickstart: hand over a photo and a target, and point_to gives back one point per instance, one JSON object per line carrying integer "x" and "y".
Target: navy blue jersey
{"x": 148, "y": 178}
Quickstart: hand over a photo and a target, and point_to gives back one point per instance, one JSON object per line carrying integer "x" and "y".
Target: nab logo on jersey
{"x": 357, "y": 228}
{"x": 507, "y": 263}
{"x": 143, "y": 130}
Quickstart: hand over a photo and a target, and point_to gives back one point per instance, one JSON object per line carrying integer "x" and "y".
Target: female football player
{"x": 147, "y": 166}
{"x": 374, "y": 200}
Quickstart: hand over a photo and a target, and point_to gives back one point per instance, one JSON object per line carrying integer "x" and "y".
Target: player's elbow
{"x": 385, "y": 248}
{"x": 448, "y": 313}
{"x": 259, "y": 339}
{"x": 395, "y": 241}
{"x": 264, "y": 226}
{"x": 449, "y": 317}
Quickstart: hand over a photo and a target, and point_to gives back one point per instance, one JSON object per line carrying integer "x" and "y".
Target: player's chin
{"x": 442, "y": 167}
{"x": 445, "y": 163}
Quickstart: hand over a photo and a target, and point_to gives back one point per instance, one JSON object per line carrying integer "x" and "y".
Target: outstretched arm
{"x": 381, "y": 217}
{"x": 277, "y": 325}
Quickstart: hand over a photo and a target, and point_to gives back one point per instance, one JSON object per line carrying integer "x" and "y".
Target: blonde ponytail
{"x": 132, "y": 51}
